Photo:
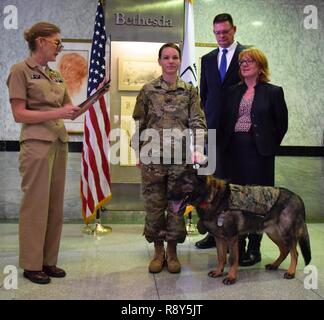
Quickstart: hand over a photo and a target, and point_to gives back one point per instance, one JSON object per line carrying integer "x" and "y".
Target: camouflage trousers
{"x": 160, "y": 222}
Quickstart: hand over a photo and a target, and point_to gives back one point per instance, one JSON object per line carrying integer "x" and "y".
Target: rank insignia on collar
{"x": 35, "y": 76}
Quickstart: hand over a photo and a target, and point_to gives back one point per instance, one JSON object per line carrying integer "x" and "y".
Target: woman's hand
{"x": 82, "y": 110}
{"x": 69, "y": 111}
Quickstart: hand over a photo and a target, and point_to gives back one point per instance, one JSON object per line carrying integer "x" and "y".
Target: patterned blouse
{"x": 243, "y": 123}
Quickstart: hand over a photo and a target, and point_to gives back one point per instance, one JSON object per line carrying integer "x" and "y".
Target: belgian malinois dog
{"x": 226, "y": 210}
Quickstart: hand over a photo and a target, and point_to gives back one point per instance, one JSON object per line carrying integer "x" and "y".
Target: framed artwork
{"x": 73, "y": 65}
{"x": 127, "y": 126}
{"x": 134, "y": 72}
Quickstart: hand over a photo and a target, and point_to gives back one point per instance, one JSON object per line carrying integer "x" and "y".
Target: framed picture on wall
{"x": 73, "y": 65}
{"x": 134, "y": 72}
{"x": 127, "y": 126}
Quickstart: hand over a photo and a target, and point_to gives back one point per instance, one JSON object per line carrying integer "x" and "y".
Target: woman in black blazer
{"x": 253, "y": 124}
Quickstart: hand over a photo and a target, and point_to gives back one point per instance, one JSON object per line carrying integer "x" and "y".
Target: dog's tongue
{"x": 175, "y": 205}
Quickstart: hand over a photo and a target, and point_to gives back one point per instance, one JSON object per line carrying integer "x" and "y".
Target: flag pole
{"x": 99, "y": 229}
{"x": 95, "y": 194}
{"x": 188, "y": 73}
{"x": 190, "y": 227}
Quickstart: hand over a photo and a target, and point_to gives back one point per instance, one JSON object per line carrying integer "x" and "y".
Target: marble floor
{"x": 114, "y": 267}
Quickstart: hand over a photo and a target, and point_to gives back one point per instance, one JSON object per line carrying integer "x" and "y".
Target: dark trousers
{"x": 253, "y": 245}
{"x": 245, "y": 166}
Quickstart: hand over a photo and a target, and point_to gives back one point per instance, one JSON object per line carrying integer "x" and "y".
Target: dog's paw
{"x": 215, "y": 274}
{"x": 289, "y": 276}
{"x": 227, "y": 281}
{"x": 271, "y": 266}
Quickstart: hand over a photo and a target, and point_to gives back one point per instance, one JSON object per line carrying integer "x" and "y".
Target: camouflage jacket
{"x": 167, "y": 109}
{"x": 254, "y": 199}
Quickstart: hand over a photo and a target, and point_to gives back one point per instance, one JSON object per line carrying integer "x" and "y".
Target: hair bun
{"x": 27, "y": 35}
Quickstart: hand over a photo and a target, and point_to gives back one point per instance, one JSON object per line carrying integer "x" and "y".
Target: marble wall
{"x": 296, "y": 54}
{"x": 74, "y": 17}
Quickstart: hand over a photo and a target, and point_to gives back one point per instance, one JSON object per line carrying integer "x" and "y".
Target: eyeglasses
{"x": 223, "y": 32}
{"x": 246, "y": 62}
{"x": 57, "y": 44}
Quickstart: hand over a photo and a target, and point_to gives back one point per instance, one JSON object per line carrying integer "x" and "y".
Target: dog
{"x": 227, "y": 210}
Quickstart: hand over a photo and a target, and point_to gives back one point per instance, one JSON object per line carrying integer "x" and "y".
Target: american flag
{"x": 95, "y": 175}
{"x": 188, "y": 69}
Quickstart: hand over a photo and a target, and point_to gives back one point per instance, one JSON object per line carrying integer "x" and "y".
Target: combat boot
{"x": 173, "y": 263}
{"x": 156, "y": 264}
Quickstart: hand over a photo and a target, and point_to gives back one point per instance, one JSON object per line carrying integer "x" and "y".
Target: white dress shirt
{"x": 230, "y": 53}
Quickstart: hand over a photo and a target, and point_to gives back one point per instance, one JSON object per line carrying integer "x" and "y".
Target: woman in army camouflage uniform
{"x": 167, "y": 106}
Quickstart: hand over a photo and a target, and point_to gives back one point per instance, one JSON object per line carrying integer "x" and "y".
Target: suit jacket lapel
{"x": 215, "y": 65}
{"x": 237, "y": 99}
{"x": 258, "y": 96}
{"x": 234, "y": 62}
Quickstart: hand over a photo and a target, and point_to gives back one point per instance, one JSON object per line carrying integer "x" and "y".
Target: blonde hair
{"x": 39, "y": 29}
{"x": 261, "y": 60}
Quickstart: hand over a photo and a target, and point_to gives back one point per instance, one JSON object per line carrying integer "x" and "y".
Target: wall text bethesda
{"x": 139, "y": 20}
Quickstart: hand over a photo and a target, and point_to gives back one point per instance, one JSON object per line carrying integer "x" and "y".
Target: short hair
{"x": 262, "y": 61}
{"x": 223, "y": 17}
{"x": 39, "y": 29}
{"x": 169, "y": 45}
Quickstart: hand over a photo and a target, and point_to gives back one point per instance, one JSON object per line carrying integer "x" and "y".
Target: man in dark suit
{"x": 219, "y": 70}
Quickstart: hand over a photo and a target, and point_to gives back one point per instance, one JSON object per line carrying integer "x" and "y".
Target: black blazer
{"x": 211, "y": 88}
{"x": 269, "y": 116}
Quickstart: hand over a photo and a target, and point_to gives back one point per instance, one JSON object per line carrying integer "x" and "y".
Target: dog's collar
{"x": 198, "y": 203}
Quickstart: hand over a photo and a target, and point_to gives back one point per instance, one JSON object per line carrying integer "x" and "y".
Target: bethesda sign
{"x": 148, "y": 21}
{"x": 141, "y": 21}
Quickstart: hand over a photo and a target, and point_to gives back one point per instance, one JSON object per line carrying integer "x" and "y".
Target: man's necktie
{"x": 223, "y": 65}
